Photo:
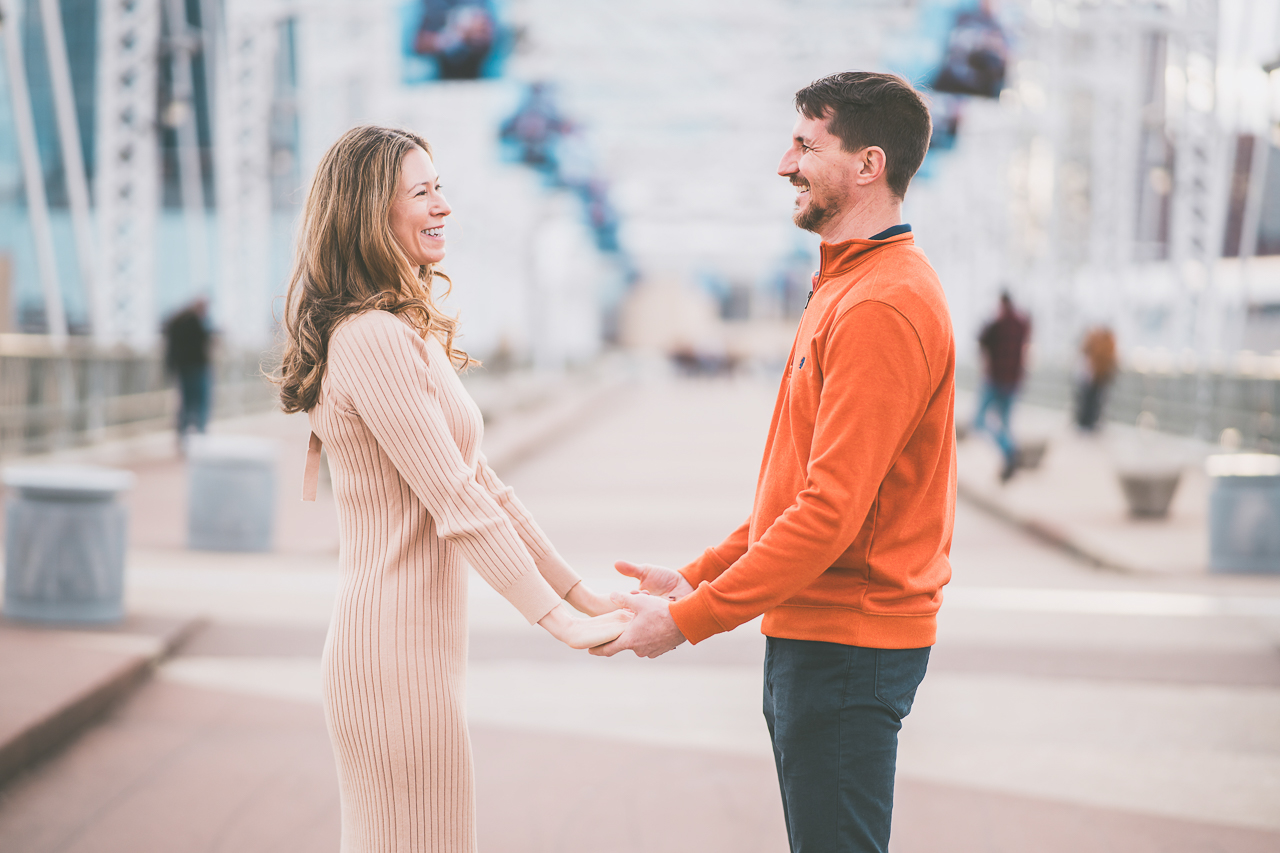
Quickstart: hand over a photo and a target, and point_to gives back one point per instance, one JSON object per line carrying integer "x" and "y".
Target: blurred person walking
{"x": 1003, "y": 342}
{"x": 1099, "y": 369}
{"x": 187, "y": 355}
{"x": 372, "y": 360}
{"x": 847, "y": 548}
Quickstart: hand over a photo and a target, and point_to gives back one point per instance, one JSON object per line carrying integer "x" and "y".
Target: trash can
{"x": 1244, "y": 512}
{"x": 232, "y": 493}
{"x": 65, "y": 536}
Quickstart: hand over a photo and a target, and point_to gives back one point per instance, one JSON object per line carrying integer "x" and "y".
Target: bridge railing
{"x": 1248, "y": 403}
{"x": 52, "y": 398}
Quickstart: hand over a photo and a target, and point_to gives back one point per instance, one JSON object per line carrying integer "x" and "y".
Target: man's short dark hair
{"x": 864, "y": 108}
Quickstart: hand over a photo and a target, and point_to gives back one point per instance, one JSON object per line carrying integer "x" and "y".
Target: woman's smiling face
{"x": 418, "y": 213}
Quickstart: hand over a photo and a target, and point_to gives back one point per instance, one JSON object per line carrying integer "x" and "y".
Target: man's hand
{"x": 651, "y": 633}
{"x": 656, "y": 580}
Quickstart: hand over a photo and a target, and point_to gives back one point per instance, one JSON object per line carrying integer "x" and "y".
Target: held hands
{"x": 652, "y": 631}
{"x": 585, "y": 633}
{"x": 654, "y": 580}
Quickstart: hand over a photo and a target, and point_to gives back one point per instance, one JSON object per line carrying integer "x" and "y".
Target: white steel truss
{"x": 1114, "y": 78}
{"x": 184, "y": 44}
{"x": 69, "y": 139}
{"x": 32, "y": 171}
{"x": 1198, "y": 190}
{"x": 244, "y": 84}
{"x": 1196, "y": 226}
{"x": 127, "y": 177}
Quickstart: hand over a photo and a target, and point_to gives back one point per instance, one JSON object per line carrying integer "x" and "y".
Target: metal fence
{"x": 51, "y": 398}
{"x": 1247, "y": 403}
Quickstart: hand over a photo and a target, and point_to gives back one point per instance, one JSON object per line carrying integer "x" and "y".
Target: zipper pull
{"x": 807, "y": 298}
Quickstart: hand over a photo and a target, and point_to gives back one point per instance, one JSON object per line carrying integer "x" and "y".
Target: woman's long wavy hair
{"x": 348, "y": 261}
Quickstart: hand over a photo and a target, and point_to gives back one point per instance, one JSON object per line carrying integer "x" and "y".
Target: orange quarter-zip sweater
{"x": 849, "y": 536}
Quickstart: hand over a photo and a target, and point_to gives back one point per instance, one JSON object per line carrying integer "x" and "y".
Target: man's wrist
{"x": 693, "y": 618}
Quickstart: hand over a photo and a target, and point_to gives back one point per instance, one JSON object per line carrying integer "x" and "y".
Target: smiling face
{"x": 822, "y": 172}
{"x": 419, "y": 210}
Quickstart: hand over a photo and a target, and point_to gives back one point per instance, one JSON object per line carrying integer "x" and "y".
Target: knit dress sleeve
{"x": 388, "y": 383}
{"x": 551, "y": 565}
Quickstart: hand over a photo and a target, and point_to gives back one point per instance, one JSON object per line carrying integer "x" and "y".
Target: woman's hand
{"x": 656, "y": 580}
{"x": 585, "y": 600}
{"x": 585, "y": 633}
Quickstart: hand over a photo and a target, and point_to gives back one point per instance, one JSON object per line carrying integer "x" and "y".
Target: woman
{"x": 371, "y": 359}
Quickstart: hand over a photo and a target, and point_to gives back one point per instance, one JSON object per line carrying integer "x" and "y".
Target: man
{"x": 186, "y": 354}
{"x": 1004, "y": 348}
{"x": 846, "y": 550}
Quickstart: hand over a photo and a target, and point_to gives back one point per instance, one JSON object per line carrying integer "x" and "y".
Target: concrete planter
{"x": 65, "y": 537}
{"x": 232, "y": 493}
{"x": 1149, "y": 493}
{"x": 1031, "y": 453}
{"x": 1244, "y": 513}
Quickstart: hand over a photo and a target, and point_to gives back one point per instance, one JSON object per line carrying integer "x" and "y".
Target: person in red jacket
{"x": 847, "y": 547}
{"x": 1003, "y": 342}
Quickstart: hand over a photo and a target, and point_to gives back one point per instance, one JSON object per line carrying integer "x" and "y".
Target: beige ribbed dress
{"x": 416, "y": 503}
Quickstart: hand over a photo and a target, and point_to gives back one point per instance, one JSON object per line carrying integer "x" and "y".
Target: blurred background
{"x": 612, "y": 172}
{"x": 1107, "y": 676}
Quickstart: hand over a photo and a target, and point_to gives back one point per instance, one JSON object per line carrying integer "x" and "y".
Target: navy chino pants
{"x": 834, "y": 712}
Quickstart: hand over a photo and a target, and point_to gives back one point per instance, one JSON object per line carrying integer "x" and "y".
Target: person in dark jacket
{"x": 187, "y": 345}
{"x": 1004, "y": 347}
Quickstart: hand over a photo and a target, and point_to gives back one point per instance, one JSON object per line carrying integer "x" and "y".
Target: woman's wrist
{"x": 585, "y": 600}
{"x": 557, "y": 622}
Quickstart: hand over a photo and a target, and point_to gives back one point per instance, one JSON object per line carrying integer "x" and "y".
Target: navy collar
{"x": 892, "y": 232}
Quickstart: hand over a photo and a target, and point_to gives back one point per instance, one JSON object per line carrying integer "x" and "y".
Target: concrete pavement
{"x": 1073, "y": 499}
{"x": 1066, "y": 709}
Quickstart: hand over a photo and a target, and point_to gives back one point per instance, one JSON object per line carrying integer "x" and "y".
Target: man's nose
{"x": 789, "y": 165}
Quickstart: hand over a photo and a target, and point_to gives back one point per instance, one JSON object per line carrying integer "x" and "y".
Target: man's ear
{"x": 871, "y": 165}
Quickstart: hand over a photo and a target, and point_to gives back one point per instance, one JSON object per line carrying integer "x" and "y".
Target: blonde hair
{"x": 348, "y": 261}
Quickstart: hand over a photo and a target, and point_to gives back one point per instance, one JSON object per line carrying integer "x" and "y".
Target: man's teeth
{"x": 433, "y": 232}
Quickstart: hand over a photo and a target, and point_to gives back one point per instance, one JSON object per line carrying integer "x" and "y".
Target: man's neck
{"x": 861, "y": 221}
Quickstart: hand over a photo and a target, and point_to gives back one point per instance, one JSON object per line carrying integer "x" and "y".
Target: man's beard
{"x": 814, "y": 215}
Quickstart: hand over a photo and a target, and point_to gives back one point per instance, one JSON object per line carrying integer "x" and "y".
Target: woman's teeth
{"x": 434, "y": 232}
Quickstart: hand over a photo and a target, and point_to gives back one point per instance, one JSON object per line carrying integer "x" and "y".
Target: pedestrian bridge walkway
{"x": 1066, "y": 709}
